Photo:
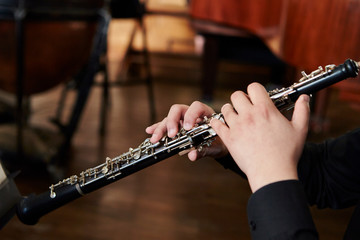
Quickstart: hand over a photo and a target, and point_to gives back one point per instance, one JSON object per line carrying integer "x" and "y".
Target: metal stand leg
{"x": 85, "y": 86}
{"x": 148, "y": 79}
{"x": 19, "y": 25}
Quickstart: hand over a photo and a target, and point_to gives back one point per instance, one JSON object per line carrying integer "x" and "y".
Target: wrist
{"x": 259, "y": 179}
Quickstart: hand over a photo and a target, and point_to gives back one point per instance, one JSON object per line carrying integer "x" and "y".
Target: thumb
{"x": 194, "y": 155}
{"x": 301, "y": 115}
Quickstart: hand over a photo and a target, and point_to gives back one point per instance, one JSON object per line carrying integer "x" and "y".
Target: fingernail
{"x": 224, "y": 106}
{"x": 187, "y": 126}
{"x": 171, "y": 132}
{"x": 306, "y": 98}
{"x": 153, "y": 137}
{"x": 212, "y": 122}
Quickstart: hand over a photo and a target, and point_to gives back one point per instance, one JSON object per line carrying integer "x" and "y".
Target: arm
{"x": 266, "y": 147}
{"x": 263, "y": 143}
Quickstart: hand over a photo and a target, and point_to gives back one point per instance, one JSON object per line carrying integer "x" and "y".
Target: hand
{"x": 263, "y": 143}
{"x": 186, "y": 117}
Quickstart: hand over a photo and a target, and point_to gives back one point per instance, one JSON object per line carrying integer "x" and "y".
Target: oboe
{"x": 31, "y": 208}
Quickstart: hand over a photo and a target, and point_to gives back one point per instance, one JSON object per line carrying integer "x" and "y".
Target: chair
{"x": 134, "y": 9}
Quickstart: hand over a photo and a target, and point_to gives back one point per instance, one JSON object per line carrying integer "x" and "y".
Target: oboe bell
{"x": 30, "y": 209}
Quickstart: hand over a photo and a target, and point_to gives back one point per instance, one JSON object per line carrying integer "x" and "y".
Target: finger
{"x": 175, "y": 115}
{"x": 240, "y": 101}
{"x": 220, "y": 128}
{"x": 151, "y": 129}
{"x": 228, "y": 112}
{"x": 197, "y": 110}
{"x": 159, "y": 131}
{"x": 258, "y": 94}
{"x": 301, "y": 114}
{"x": 193, "y": 155}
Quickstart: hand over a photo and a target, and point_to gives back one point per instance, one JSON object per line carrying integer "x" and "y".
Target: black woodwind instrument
{"x": 31, "y": 208}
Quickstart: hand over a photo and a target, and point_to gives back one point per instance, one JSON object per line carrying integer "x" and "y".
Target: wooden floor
{"x": 174, "y": 199}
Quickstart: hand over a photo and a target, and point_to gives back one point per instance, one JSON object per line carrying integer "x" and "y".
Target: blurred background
{"x": 80, "y": 80}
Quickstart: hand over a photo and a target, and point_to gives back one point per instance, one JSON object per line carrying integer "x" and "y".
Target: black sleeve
{"x": 330, "y": 171}
{"x": 280, "y": 211}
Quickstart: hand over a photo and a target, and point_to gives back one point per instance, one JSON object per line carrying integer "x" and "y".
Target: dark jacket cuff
{"x": 280, "y": 211}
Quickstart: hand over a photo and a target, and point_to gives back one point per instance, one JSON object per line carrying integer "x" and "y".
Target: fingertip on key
{"x": 187, "y": 126}
{"x": 171, "y": 132}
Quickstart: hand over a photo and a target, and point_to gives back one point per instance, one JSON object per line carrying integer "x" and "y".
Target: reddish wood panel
{"x": 321, "y": 32}
{"x": 259, "y": 17}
